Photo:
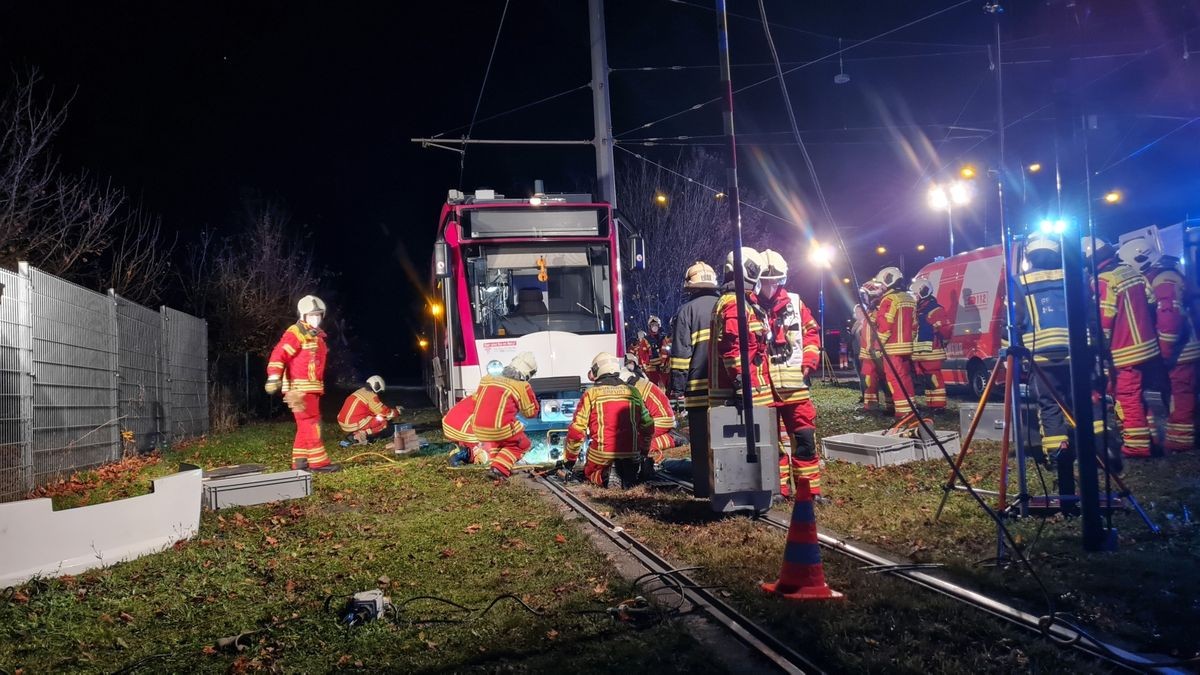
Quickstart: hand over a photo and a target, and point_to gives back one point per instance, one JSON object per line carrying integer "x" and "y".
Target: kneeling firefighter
{"x": 794, "y": 349}
{"x": 363, "y": 416}
{"x": 458, "y": 427}
{"x": 659, "y": 407}
{"x": 498, "y": 401}
{"x": 612, "y": 417}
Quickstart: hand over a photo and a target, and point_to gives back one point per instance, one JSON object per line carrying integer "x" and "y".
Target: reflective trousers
{"x": 1131, "y": 410}
{"x": 510, "y": 451}
{"x": 1181, "y": 401}
{"x": 698, "y": 436}
{"x": 307, "y": 449}
{"x": 898, "y": 372}
{"x": 797, "y": 452}
{"x": 935, "y": 394}
{"x": 597, "y": 473}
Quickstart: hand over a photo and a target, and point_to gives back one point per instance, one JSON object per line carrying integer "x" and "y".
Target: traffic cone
{"x": 802, "y": 577}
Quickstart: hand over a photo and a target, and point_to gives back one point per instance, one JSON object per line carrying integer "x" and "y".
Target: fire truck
{"x": 970, "y": 286}
{"x": 540, "y": 274}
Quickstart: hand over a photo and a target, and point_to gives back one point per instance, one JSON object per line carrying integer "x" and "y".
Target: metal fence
{"x": 84, "y": 377}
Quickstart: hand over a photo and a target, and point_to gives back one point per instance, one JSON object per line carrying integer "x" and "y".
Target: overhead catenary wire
{"x": 489, "y": 118}
{"x": 806, "y": 64}
{"x": 462, "y": 158}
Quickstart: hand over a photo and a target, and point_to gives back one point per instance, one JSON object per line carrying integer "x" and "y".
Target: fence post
{"x": 165, "y": 369}
{"x": 204, "y": 392}
{"x": 115, "y": 366}
{"x": 25, "y": 346}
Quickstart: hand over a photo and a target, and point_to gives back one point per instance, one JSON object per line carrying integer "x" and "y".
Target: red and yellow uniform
{"x": 929, "y": 349}
{"x": 1128, "y": 327}
{"x": 868, "y": 363}
{"x": 612, "y": 416}
{"x": 659, "y": 407}
{"x": 363, "y": 411}
{"x": 726, "y": 364}
{"x": 298, "y": 360}
{"x": 458, "y": 422}
{"x": 896, "y": 325}
{"x": 653, "y": 352}
{"x": 1180, "y": 349}
{"x": 794, "y": 350}
{"x": 498, "y": 401}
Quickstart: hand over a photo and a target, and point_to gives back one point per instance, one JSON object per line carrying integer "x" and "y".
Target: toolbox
{"x": 873, "y": 449}
{"x": 247, "y": 490}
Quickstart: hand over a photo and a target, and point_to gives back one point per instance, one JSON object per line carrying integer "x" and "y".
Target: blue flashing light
{"x": 1052, "y": 226}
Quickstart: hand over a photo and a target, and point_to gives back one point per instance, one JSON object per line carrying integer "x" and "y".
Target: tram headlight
{"x": 495, "y": 368}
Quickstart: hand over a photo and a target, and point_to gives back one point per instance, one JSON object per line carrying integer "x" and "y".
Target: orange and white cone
{"x": 802, "y": 577}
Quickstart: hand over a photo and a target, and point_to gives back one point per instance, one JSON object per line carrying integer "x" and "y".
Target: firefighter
{"x": 794, "y": 350}
{"x": 363, "y": 416}
{"x": 297, "y": 367}
{"x": 458, "y": 427}
{"x": 869, "y": 355}
{"x": 1127, "y": 326}
{"x": 498, "y": 401}
{"x": 896, "y": 327}
{"x": 613, "y": 419}
{"x": 725, "y": 365}
{"x": 689, "y": 363}
{"x": 652, "y": 351}
{"x": 929, "y": 350}
{"x": 657, "y": 404}
{"x": 1178, "y": 343}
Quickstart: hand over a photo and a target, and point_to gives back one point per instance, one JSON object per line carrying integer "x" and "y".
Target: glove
{"x": 737, "y": 384}
{"x": 272, "y": 385}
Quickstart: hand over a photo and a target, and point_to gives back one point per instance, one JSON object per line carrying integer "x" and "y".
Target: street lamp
{"x": 920, "y": 247}
{"x": 660, "y": 199}
{"x": 821, "y": 255}
{"x": 1113, "y": 197}
{"x": 945, "y": 198}
{"x": 881, "y": 250}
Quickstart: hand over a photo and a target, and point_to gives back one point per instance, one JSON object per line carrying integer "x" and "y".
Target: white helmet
{"x": 700, "y": 275}
{"x": 1097, "y": 248}
{"x": 890, "y": 277}
{"x": 1043, "y": 252}
{"x": 752, "y": 264}
{"x": 375, "y": 383}
{"x": 524, "y": 364}
{"x": 310, "y": 304}
{"x": 921, "y": 288}
{"x": 1139, "y": 253}
{"x": 654, "y": 320}
{"x": 775, "y": 268}
{"x": 604, "y": 364}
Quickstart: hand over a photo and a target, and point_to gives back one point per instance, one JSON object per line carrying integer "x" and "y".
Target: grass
{"x": 413, "y": 528}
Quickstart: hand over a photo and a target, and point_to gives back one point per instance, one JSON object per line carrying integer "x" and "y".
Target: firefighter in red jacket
{"x": 458, "y": 427}
{"x": 794, "y": 351}
{"x": 869, "y": 355}
{"x": 725, "y": 365}
{"x": 896, "y": 327}
{"x": 653, "y": 352}
{"x": 363, "y": 416}
{"x": 297, "y": 367}
{"x": 1178, "y": 343}
{"x": 1127, "y": 325}
{"x": 929, "y": 350}
{"x": 613, "y": 419}
{"x": 498, "y": 401}
{"x": 657, "y": 404}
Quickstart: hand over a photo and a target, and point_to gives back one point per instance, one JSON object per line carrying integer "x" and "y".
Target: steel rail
{"x": 1055, "y": 631}
{"x": 746, "y": 631}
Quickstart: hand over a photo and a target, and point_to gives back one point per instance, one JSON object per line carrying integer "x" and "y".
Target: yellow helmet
{"x": 700, "y": 275}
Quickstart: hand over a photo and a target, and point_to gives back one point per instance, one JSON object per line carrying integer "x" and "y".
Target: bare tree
{"x": 71, "y": 225}
{"x": 244, "y": 284}
{"x": 682, "y": 220}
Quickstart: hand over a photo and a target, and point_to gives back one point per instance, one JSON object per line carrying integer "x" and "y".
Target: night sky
{"x": 194, "y": 105}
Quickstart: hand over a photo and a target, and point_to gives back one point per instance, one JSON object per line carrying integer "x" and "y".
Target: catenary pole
{"x": 601, "y": 107}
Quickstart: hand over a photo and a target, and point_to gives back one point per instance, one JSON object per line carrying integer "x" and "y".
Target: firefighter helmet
{"x": 921, "y": 288}
{"x": 890, "y": 277}
{"x": 310, "y": 304}
{"x": 870, "y": 292}
{"x": 700, "y": 275}
{"x": 633, "y": 364}
{"x": 654, "y": 320}
{"x": 524, "y": 364}
{"x": 775, "y": 268}
{"x": 1097, "y": 248}
{"x": 604, "y": 364}
{"x": 1139, "y": 253}
{"x": 375, "y": 383}
{"x": 1043, "y": 252}
{"x": 752, "y": 264}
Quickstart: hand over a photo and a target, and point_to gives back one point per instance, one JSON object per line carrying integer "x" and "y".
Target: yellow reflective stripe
{"x": 678, "y": 363}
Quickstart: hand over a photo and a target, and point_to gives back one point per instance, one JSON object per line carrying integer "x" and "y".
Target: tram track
{"x": 875, "y": 563}
{"x": 776, "y": 652}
